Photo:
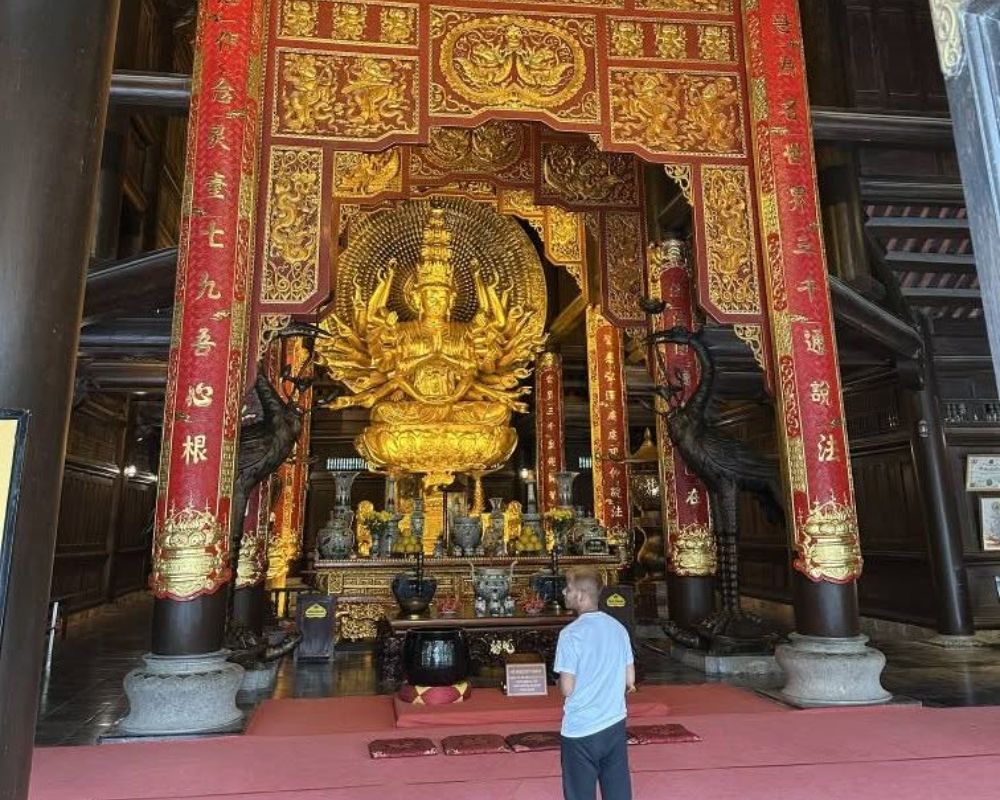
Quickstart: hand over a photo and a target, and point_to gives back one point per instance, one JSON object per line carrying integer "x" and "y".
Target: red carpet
{"x": 864, "y": 753}
{"x": 487, "y": 707}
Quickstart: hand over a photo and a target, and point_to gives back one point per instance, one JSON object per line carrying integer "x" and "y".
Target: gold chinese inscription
{"x": 291, "y": 238}
{"x": 189, "y": 554}
{"x": 668, "y": 111}
{"x": 578, "y": 173}
{"x": 513, "y": 61}
{"x": 624, "y": 264}
{"x": 729, "y": 244}
{"x": 357, "y": 97}
{"x": 361, "y": 175}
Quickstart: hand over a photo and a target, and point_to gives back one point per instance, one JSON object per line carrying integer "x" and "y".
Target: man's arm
{"x": 629, "y": 678}
{"x": 567, "y": 683}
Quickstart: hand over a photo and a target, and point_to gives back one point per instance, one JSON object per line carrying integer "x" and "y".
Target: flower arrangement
{"x": 532, "y": 604}
{"x": 559, "y": 521}
{"x": 376, "y": 522}
{"x": 448, "y": 606}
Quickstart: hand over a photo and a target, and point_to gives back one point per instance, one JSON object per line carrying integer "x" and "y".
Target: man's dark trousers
{"x": 601, "y": 757}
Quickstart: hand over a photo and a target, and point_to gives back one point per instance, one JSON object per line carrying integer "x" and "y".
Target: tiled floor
{"x": 82, "y": 696}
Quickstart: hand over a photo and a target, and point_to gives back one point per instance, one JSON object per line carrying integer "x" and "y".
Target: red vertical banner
{"x": 815, "y": 454}
{"x": 608, "y": 421}
{"x": 206, "y": 367}
{"x": 550, "y": 455}
{"x": 686, "y": 522}
{"x": 292, "y": 477}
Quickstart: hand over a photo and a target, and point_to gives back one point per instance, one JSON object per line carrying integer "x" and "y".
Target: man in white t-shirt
{"x": 596, "y": 669}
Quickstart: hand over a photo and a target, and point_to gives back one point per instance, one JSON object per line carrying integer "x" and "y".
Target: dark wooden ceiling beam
{"x": 145, "y": 334}
{"x": 876, "y": 325}
{"x": 918, "y": 227}
{"x": 936, "y": 296}
{"x": 163, "y": 92}
{"x": 917, "y": 192}
{"x": 931, "y": 262}
{"x": 843, "y": 125}
{"x": 131, "y": 287}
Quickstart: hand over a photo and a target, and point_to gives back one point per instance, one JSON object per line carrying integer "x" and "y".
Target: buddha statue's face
{"x": 435, "y": 302}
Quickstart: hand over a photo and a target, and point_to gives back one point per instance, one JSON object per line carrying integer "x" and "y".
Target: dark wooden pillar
{"x": 55, "y": 70}
{"x": 944, "y": 538}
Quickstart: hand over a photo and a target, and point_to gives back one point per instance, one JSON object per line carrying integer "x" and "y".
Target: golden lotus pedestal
{"x": 439, "y": 442}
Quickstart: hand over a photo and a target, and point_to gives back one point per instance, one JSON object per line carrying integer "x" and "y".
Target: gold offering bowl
{"x": 464, "y": 438}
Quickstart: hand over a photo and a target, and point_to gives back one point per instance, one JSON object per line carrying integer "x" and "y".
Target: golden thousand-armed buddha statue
{"x": 441, "y": 392}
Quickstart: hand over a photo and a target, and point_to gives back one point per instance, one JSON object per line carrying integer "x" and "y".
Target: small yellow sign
{"x": 315, "y": 611}
{"x": 615, "y": 601}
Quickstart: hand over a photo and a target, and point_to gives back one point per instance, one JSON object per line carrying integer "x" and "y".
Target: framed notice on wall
{"x": 982, "y": 473}
{"x": 13, "y": 431}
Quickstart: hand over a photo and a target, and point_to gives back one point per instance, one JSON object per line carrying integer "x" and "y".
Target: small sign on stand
{"x": 525, "y": 675}
{"x": 315, "y": 616}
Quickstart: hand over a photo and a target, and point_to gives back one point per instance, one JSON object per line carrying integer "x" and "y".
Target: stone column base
{"x": 182, "y": 694}
{"x": 950, "y": 642}
{"x": 822, "y": 671}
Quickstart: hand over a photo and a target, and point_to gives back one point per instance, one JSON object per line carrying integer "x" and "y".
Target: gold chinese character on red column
{"x": 217, "y": 137}
{"x": 782, "y": 23}
{"x": 797, "y": 197}
{"x": 227, "y": 39}
{"x": 223, "y": 92}
{"x": 803, "y": 244}
{"x": 786, "y": 66}
{"x": 215, "y": 235}
{"x": 203, "y": 343}
{"x": 693, "y": 498}
{"x": 793, "y": 153}
{"x": 815, "y": 342}
{"x": 808, "y": 286}
{"x": 215, "y": 186}
{"x": 790, "y": 108}
{"x": 195, "y": 450}
{"x": 207, "y": 288}
{"x": 200, "y": 395}
{"x": 827, "y": 447}
{"x": 819, "y": 392}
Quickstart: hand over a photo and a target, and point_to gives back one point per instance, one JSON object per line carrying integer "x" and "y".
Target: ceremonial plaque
{"x": 13, "y": 428}
{"x": 526, "y": 676}
{"x": 982, "y": 473}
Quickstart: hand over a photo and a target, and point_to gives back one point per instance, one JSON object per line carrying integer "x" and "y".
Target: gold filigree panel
{"x": 365, "y": 175}
{"x": 733, "y": 285}
{"x": 500, "y": 148}
{"x": 670, "y": 112}
{"x": 624, "y": 262}
{"x": 698, "y": 6}
{"x": 345, "y": 95}
{"x": 292, "y": 232}
{"x": 513, "y": 61}
{"x": 632, "y": 38}
{"x": 576, "y": 173}
{"x": 350, "y": 22}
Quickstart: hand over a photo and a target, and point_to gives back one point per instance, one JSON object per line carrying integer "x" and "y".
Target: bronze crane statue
{"x": 726, "y": 466}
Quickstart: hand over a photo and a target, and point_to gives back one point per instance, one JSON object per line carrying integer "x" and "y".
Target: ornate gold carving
{"x": 291, "y": 237}
{"x": 702, "y": 6}
{"x": 190, "y": 554}
{"x": 692, "y": 550}
{"x": 398, "y": 25}
{"x": 252, "y": 567}
{"x": 671, "y": 41}
{"x": 948, "y": 34}
{"x": 366, "y": 175}
{"x": 681, "y": 175}
{"x": 715, "y": 42}
{"x": 579, "y": 174}
{"x": 492, "y": 148}
{"x": 676, "y": 112}
{"x": 350, "y": 96}
{"x": 512, "y": 61}
{"x": 439, "y": 367}
{"x": 829, "y": 548}
{"x": 564, "y": 242}
{"x": 299, "y": 17}
{"x": 626, "y": 38}
{"x": 753, "y": 336}
{"x": 732, "y": 257}
{"x": 349, "y": 21}
{"x": 624, "y": 257}
{"x": 359, "y": 621}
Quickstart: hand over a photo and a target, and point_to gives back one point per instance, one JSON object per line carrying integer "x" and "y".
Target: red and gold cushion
{"x": 533, "y": 741}
{"x": 474, "y": 744}
{"x": 434, "y": 695}
{"x": 669, "y": 733}
{"x": 401, "y": 748}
